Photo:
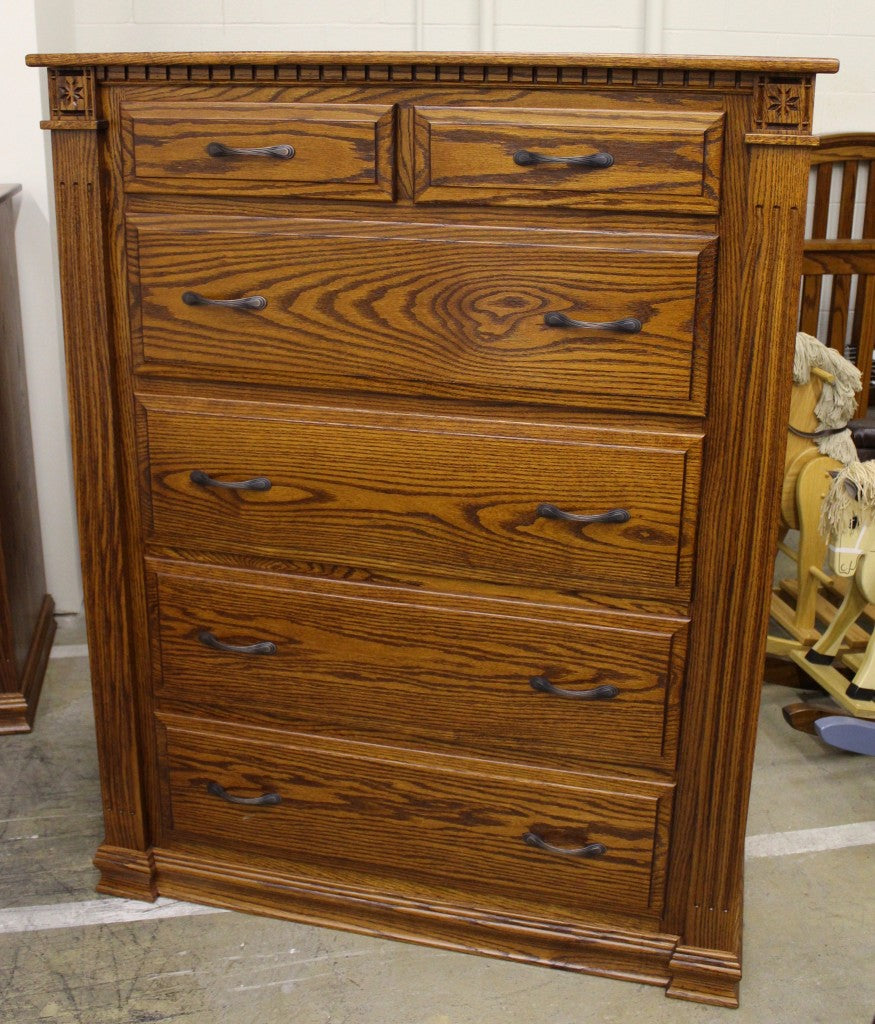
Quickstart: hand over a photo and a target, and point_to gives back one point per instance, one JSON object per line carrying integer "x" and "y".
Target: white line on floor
{"x": 114, "y": 911}
{"x": 69, "y": 651}
{"x": 811, "y": 840}
{"x": 88, "y": 912}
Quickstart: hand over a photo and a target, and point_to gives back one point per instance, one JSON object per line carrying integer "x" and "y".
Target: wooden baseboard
{"x": 704, "y": 976}
{"x": 652, "y": 959}
{"x": 17, "y": 710}
{"x": 129, "y": 874}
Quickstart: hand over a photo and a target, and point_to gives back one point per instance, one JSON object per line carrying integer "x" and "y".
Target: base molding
{"x": 17, "y": 710}
{"x": 631, "y": 956}
{"x": 126, "y": 873}
{"x": 704, "y": 976}
{"x": 685, "y": 972}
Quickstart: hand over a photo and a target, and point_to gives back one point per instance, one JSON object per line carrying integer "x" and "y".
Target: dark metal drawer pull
{"x": 615, "y": 515}
{"x": 282, "y": 152}
{"x": 628, "y": 325}
{"x": 257, "y": 483}
{"x": 525, "y": 158}
{"x": 209, "y": 639}
{"x": 590, "y": 850}
{"x": 543, "y": 685}
{"x": 249, "y": 302}
{"x": 266, "y": 800}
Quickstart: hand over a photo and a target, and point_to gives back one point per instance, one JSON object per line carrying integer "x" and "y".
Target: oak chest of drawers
{"x": 428, "y": 414}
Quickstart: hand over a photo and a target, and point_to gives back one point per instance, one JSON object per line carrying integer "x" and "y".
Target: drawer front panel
{"x": 426, "y": 496}
{"x": 413, "y": 828}
{"x": 459, "y": 314}
{"x": 662, "y": 159}
{"x": 396, "y": 670}
{"x": 334, "y": 150}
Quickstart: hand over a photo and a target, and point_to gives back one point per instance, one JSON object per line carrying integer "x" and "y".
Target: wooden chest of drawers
{"x": 428, "y": 415}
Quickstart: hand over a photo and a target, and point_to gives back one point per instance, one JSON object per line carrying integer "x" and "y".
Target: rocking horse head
{"x": 824, "y": 400}
{"x": 847, "y": 516}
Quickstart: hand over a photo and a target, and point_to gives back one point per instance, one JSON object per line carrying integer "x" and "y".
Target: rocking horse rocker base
{"x": 858, "y": 699}
{"x": 822, "y": 400}
{"x": 848, "y": 517}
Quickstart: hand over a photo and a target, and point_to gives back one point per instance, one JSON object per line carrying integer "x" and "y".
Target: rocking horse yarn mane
{"x": 852, "y": 492}
{"x": 837, "y": 401}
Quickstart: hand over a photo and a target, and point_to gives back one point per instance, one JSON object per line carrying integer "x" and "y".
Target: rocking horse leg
{"x": 811, "y": 487}
{"x": 863, "y": 684}
{"x": 847, "y": 614}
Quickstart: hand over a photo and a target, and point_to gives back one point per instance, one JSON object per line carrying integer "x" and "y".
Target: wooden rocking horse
{"x": 848, "y": 519}
{"x": 822, "y": 402}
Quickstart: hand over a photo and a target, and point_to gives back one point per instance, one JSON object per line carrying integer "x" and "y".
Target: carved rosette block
{"x": 73, "y": 100}
{"x": 783, "y": 104}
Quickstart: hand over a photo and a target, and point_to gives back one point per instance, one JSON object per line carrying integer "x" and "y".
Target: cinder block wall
{"x": 830, "y": 28}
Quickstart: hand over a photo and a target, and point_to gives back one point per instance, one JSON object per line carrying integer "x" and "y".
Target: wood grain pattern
{"x": 416, "y": 310}
{"x": 603, "y": 946}
{"x": 26, "y": 623}
{"x": 447, "y": 835}
{"x": 847, "y": 255}
{"x": 340, "y": 150}
{"x": 380, "y": 665}
{"x": 423, "y": 494}
{"x": 401, "y": 474}
{"x": 727, "y": 657}
{"x": 96, "y": 467}
{"x": 680, "y": 66}
{"x": 662, "y": 159}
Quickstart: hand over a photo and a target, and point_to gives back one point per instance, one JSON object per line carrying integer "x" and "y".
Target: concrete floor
{"x": 68, "y": 956}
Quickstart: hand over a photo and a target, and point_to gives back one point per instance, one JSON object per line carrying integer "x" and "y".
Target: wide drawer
{"x": 377, "y": 664}
{"x": 413, "y": 828}
{"x": 637, "y": 159}
{"x": 337, "y": 150}
{"x": 440, "y": 496}
{"x": 552, "y": 317}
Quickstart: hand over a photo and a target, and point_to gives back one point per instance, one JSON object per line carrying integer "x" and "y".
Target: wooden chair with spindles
{"x": 843, "y": 253}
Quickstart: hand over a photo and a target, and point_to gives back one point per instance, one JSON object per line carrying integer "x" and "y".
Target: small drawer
{"x": 643, "y": 159}
{"x": 553, "y": 317}
{"x": 338, "y": 150}
{"x": 466, "y": 677}
{"x": 443, "y": 833}
{"x": 557, "y": 508}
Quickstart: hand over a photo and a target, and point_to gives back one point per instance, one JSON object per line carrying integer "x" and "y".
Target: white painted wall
{"x": 830, "y": 28}
{"x": 26, "y": 160}
{"x": 806, "y": 28}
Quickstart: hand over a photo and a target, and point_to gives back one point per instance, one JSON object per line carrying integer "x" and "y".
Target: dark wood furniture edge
{"x": 17, "y": 714}
{"x": 802, "y": 715}
{"x": 27, "y": 626}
